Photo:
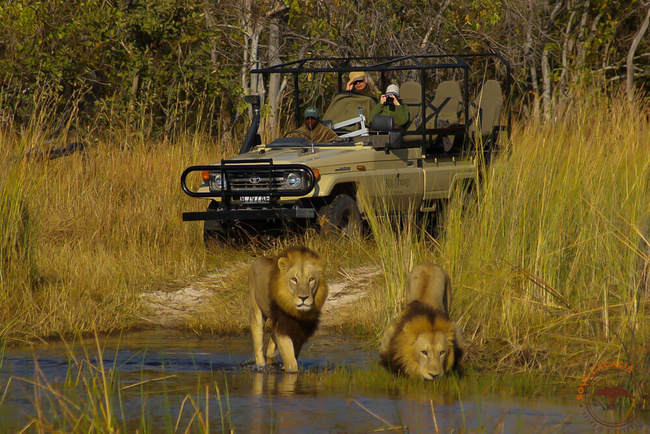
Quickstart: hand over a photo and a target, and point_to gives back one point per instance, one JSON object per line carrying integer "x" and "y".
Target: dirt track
{"x": 171, "y": 309}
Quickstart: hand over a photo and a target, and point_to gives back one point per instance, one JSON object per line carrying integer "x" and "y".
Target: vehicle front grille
{"x": 253, "y": 180}
{"x": 238, "y": 178}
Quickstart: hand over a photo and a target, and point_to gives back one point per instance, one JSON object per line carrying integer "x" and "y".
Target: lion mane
{"x": 429, "y": 284}
{"x": 289, "y": 290}
{"x": 422, "y": 343}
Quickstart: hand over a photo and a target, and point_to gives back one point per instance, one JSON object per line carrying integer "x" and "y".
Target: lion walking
{"x": 290, "y": 291}
{"x": 423, "y": 341}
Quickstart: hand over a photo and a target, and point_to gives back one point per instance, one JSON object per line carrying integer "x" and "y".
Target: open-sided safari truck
{"x": 458, "y": 108}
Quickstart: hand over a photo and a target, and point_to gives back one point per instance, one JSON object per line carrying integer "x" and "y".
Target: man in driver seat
{"x": 313, "y": 130}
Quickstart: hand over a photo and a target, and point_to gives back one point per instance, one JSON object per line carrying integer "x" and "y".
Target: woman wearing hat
{"x": 361, "y": 84}
{"x": 389, "y": 105}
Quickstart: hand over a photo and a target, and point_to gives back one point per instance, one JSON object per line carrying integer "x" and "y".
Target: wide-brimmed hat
{"x": 311, "y": 112}
{"x": 392, "y": 89}
{"x": 357, "y": 76}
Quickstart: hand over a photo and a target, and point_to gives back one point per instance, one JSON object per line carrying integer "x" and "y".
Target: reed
{"x": 95, "y": 396}
{"x": 400, "y": 244}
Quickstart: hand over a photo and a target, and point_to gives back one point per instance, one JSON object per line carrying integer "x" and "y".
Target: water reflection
{"x": 274, "y": 384}
{"x": 162, "y": 377}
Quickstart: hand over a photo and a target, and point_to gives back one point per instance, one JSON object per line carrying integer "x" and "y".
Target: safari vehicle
{"x": 458, "y": 106}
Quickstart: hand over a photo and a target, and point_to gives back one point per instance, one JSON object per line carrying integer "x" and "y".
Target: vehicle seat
{"x": 327, "y": 123}
{"x": 485, "y": 110}
{"x": 411, "y": 95}
{"x": 447, "y": 106}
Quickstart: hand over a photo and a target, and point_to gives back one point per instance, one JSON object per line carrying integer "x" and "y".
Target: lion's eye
{"x": 312, "y": 280}
{"x": 425, "y": 353}
{"x": 294, "y": 280}
{"x": 442, "y": 353}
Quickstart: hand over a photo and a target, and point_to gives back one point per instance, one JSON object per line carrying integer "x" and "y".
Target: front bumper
{"x": 261, "y": 214}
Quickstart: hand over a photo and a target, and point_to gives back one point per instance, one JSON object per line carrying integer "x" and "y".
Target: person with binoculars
{"x": 390, "y": 105}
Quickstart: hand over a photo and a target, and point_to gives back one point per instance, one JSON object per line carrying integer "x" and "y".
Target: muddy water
{"x": 157, "y": 370}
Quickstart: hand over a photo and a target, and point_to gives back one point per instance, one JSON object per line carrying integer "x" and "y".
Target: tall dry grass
{"x": 83, "y": 235}
{"x": 549, "y": 267}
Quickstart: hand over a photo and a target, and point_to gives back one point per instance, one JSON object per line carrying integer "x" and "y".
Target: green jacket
{"x": 400, "y": 113}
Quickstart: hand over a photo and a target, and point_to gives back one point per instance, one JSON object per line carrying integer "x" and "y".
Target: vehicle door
{"x": 398, "y": 178}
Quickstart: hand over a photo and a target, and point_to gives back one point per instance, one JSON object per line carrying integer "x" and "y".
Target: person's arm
{"x": 329, "y": 134}
{"x": 374, "y": 112}
{"x": 402, "y": 114}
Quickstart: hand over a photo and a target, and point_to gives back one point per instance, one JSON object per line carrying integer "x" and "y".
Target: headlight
{"x": 293, "y": 180}
{"x": 217, "y": 181}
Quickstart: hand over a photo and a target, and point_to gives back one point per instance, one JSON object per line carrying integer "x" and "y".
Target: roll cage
{"x": 427, "y": 71}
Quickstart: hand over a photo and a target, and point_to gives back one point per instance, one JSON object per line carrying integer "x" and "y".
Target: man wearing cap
{"x": 389, "y": 105}
{"x": 313, "y": 129}
{"x": 361, "y": 84}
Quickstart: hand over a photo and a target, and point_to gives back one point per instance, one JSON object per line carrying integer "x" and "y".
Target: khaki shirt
{"x": 320, "y": 134}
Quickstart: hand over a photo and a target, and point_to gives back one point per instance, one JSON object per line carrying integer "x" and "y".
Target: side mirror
{"x": 253, "y": 100}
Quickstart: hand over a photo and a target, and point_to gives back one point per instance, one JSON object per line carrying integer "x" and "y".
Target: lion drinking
{"x": 423, "y": 342}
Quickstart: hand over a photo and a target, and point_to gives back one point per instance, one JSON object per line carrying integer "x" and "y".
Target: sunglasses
{"x": 357, "y": 82}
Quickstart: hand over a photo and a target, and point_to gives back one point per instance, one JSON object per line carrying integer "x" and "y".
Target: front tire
{"x": 214, "y": 236}
{"x": 341, "y": 217}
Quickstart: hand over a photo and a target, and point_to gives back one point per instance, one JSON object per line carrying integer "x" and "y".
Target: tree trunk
{"x": 274, "y": 79}
{"x": 435, "y": 26}
{"x": 529, "y": 56}
{"x": 629, "y": 83}
{"x": 546, "y": 85}
{"x": 210, "y": 27}
{"x": 251, "y": 29}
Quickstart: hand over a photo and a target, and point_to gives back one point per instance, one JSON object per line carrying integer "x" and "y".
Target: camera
{"x": 390, "y": 100}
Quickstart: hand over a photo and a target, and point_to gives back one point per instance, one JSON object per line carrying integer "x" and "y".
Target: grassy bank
{"x": 84, "y": 235}
{"x": 549, "y": 266}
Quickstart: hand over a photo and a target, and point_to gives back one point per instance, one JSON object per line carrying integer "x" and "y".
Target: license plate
{"x": 255, "y": 199}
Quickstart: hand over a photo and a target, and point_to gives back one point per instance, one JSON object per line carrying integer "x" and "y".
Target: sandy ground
{"x": 170, "y": 309}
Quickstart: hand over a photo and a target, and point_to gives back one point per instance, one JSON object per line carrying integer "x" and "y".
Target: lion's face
{"x": 423, "y": 343}
{"x": 302, "y": 281}
{"x": 432, "y": 351}
{"x": 300, "y": 290}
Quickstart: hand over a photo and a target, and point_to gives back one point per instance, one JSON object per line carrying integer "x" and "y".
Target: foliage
{"x": 135, "y": 56}
{"x": 160, "y": 66}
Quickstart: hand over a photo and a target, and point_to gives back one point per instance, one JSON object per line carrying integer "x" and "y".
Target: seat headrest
{"x": 449, "y": 88}
{"x": 411, "y": 92}
{"x": 383, "y": 123}
{"x": 491, "y": 89}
